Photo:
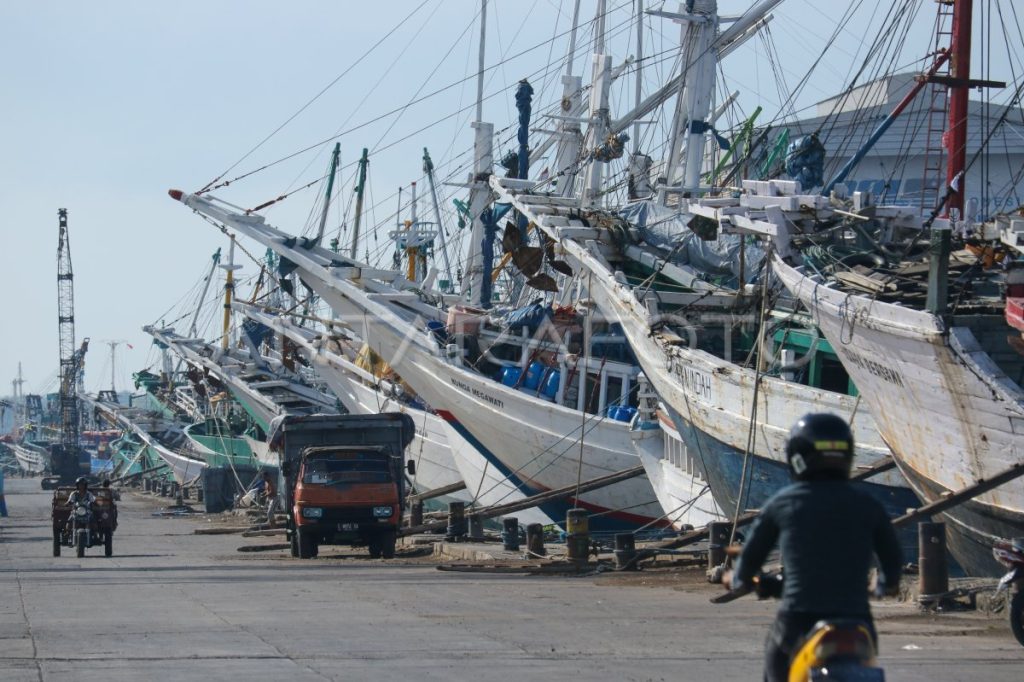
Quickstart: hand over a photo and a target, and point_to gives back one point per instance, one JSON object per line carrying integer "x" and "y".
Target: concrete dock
{"x": 171, "y": 604}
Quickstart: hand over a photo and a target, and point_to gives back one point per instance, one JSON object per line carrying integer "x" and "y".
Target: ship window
{"x": 912, "y": 186}
{"x": 833, "y": 376}
{"x": 614, "y": 394}
{"x": 890, "y": 189}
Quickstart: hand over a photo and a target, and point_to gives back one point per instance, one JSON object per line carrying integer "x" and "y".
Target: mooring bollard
{"x": 416, "y": 513}
{"x": 933, "y": 578}
{"x": 577, "y": 541}
{"x": 476, "y": 527}
{"x": 510, "y": 534}
{"x": 718, "y": 540}
{"x": 625, "y": 551}
{"x": 456, "y": 520}
{"x": 535, "y": 539}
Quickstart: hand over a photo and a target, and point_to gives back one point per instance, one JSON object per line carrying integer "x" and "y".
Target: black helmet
{"x": 80, "y": 480}
{"x": 820, "y": 445}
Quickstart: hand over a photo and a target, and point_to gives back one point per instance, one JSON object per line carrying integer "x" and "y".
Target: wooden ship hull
{"x": 942, "y": 401}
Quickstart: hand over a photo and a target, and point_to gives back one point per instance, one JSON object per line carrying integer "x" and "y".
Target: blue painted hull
{"x": 723, "y": 470}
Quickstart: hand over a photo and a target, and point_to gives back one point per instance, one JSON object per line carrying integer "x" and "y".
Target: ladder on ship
{"x": 937, "y": 116}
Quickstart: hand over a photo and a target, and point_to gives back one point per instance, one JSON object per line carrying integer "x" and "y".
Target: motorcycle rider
{"x": 826, "y": 530}
{"x": 81, "y": 493}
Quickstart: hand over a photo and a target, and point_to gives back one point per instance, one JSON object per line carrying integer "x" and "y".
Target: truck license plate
{"x": 348, "y": 526}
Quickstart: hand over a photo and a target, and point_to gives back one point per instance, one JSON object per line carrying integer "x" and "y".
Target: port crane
{"x": 68, "y": 460}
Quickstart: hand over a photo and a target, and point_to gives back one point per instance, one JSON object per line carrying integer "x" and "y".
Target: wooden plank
{"x": 534, "y": 500}
{"x": 438, "y": 492}
{"x": 961, "y": 496}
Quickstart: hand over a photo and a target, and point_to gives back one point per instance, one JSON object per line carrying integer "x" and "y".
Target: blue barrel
{"x": 534, "y": 375}
{"x": 510, "y": 376}
{"x": 438, "y": 330}
{"x": 624, "y": 414}
{"x": 550, "y": 389}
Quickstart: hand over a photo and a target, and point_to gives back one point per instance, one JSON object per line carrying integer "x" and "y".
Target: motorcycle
{"x": 835, "y": 649}
{"x": 82, "y": 525}
{"x": 81, "y": 528}
{"x": 1010, "y": 553}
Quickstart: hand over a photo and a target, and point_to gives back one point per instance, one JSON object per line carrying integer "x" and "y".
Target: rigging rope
{"x": 366, "y": 54}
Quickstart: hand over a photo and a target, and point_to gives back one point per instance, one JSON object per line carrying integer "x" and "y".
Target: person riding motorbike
{"x": 826, "y": 530}
{"x": 81, "y": 493}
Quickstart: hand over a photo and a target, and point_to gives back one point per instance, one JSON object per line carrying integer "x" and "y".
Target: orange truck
{"x": 344, "y": 479}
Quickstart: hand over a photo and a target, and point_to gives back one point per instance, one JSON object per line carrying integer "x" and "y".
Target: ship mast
{"x": 335, "y": 156}
{"x": 960, "y": 72}
{"x": 477, "y": 272}
{"x": 18, "y": 386}
{"x": 113, "y": 356}
{"x": 428, "y": 168}
{"x": 598, "y": 130}
{"x": 364, "y": 161}
{"x": 229, "y": 290}
{"x": 569, "y": 136}
{"x": 192, "y": 327}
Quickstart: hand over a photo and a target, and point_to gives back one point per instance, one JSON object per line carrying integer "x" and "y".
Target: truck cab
{"x": 344, "y": 480}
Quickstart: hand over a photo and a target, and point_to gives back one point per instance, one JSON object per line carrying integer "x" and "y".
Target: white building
{"x": 908, "y": 165}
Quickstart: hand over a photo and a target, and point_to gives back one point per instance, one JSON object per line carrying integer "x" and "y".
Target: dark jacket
{"x": 827, "y": 532}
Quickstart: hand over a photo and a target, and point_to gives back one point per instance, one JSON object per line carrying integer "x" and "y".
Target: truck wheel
{"x": 81, "y": 538}
{"x": 307, "y": 546}
{"x": 56, "y": 542}
{"x": 1017, "y": 615}
{"x": 295, "y": 544}
{"x": 374, "y": 545}
{"x": 108, "y": 543}
{"x": 387, "y": 545}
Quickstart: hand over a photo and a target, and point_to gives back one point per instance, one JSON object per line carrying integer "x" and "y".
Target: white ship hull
{"x": 740, "y": 444}
{"x": 712, "y": 404}
{"x": 442, "y": 456}
{"x": 186, "y": 470}
{"x": 950, "y": 414}
{"x": 535, "y": 444}
{"x": 32, "y": 459}
{"x": 529, "y": 441}
{"x": 435, "y": 466}
{"x": 676, "y": 476}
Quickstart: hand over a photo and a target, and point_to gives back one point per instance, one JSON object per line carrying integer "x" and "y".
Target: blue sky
{"x": 109, "y": 104}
